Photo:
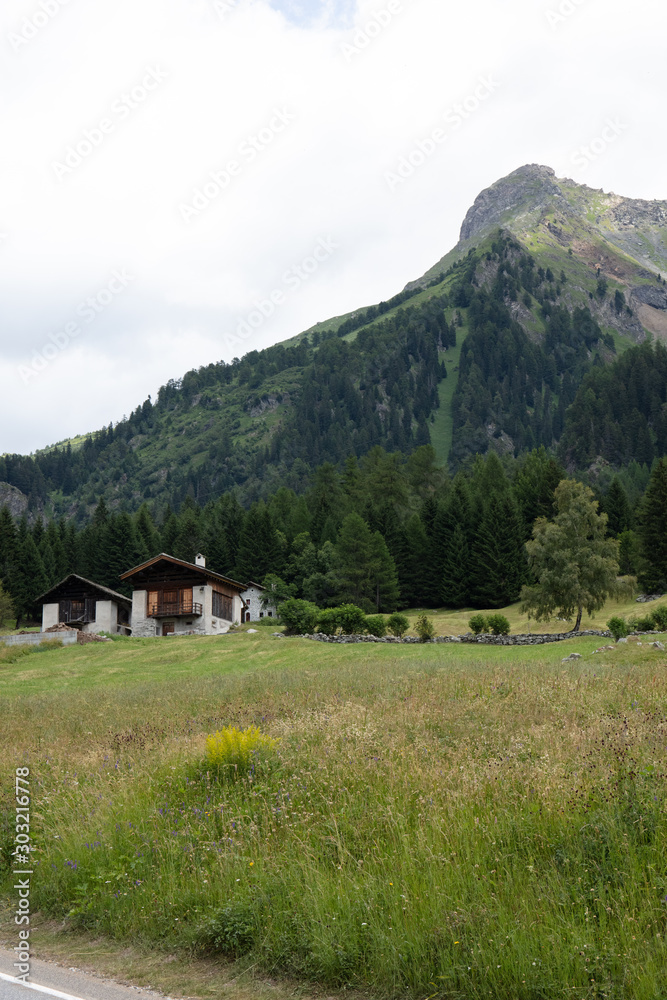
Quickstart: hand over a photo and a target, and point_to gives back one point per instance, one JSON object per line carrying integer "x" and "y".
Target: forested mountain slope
{"x": 551, "y": 284}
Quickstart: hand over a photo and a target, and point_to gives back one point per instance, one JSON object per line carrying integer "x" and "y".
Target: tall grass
{"x": 440, "y": 824}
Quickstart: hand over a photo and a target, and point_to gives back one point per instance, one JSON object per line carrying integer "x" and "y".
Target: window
{"x": 222, "y": 606}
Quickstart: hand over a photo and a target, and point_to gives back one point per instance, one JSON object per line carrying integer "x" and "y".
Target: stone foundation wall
{"x": 143, "y": 628}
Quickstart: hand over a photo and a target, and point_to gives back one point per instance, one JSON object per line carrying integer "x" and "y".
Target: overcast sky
{"x": 187, "y": 180}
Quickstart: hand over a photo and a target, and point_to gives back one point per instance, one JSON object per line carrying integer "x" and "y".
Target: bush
{"x": 238, "y": 751}
{"x": 231, "y": 931}
{"x": 327, "y": 623}
{"x": 424, "y": 628}
{"x": 351, "y": 619}
{"x": 618, "y": 628}
{"x": 639, "y": 624}
{"x": 659, "y": 617}
{"x": 299, "y": 617}
{"x": 376, "y": 625}
{"x": 398, "y": 624}
{"x": 498, "y": 624}
{"x": 477, "y": 624}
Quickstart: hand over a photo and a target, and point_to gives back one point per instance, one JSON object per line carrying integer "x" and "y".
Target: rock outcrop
{"x": 12, "y": 497}
{"x": 532, "y": 186}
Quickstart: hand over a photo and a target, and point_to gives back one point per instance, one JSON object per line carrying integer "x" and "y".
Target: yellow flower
{"x": 252, "y": 863}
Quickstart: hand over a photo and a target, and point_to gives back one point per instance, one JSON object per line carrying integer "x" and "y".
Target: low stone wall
{"x": 68, "y": 638}
{"x": 491, "y": 640}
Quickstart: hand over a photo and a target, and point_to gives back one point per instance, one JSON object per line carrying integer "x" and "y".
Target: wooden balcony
{"x": 174, "y": 609}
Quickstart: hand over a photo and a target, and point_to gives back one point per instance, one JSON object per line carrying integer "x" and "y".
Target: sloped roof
{"x": 202, "y": 570}
{"x": 112, "y": 594}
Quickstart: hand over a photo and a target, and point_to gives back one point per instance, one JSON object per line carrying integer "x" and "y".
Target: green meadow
{"x": 450, "y": 821}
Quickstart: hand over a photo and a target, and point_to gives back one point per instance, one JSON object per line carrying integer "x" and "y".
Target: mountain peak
{"x": 531, "y": 186}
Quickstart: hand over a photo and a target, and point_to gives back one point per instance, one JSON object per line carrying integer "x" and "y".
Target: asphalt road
{"x": 49, "y": 980}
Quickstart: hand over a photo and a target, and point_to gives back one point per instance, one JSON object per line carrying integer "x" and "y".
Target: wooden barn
{"x": 85, "y": 605}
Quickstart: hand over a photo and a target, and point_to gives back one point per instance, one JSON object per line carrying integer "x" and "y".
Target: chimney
{"x": 200, "y": 560}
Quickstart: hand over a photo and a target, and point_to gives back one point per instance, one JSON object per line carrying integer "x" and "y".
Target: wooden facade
{"x": 167, "y": 591}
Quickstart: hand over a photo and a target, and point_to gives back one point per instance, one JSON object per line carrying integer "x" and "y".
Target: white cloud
{"x": 226, "y": 72}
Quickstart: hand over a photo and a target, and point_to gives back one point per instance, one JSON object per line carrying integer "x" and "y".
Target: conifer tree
{"x": 169, "y": 531}
{"x": 652, "y": 531}
{"x": 48, "y": 562}
{"x": 7, "y": 545}
{"x": 413, "y": 561}
{"x": 617, "y": 508}
{"x": 123, "y": 550}
{"x": 534, "y": 485}
{"x": 455, "y": 586}
{"x": 6, "y": 608}
{"x": 55, "y": 539}
{"x": 258, "y": 551}
{"x": 146, "y": 531}
{"x": 70, "y": 541}
{"x": 498, "y": 558}
{"x": 383, "y": 577}
{"x": 188, "y": 539}
{"x": 27, "y": 579}
{"x": 453, "y": 538}
{"x": 327, "y": 502}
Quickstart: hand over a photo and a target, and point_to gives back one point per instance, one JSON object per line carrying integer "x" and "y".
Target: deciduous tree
{"x": 575, "y": 564}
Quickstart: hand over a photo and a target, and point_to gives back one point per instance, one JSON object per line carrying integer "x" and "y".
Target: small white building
{"x": 254, "y": 607}
{"x": 174, "y": 597}
{"x": 85, "y": 605}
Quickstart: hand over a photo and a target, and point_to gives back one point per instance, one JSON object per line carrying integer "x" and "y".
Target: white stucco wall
{"x": 253, "y": 598}
{"x": 141, "y": 624}
{"x": 50, "y": 615}
{"x": 106, "y": 618}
